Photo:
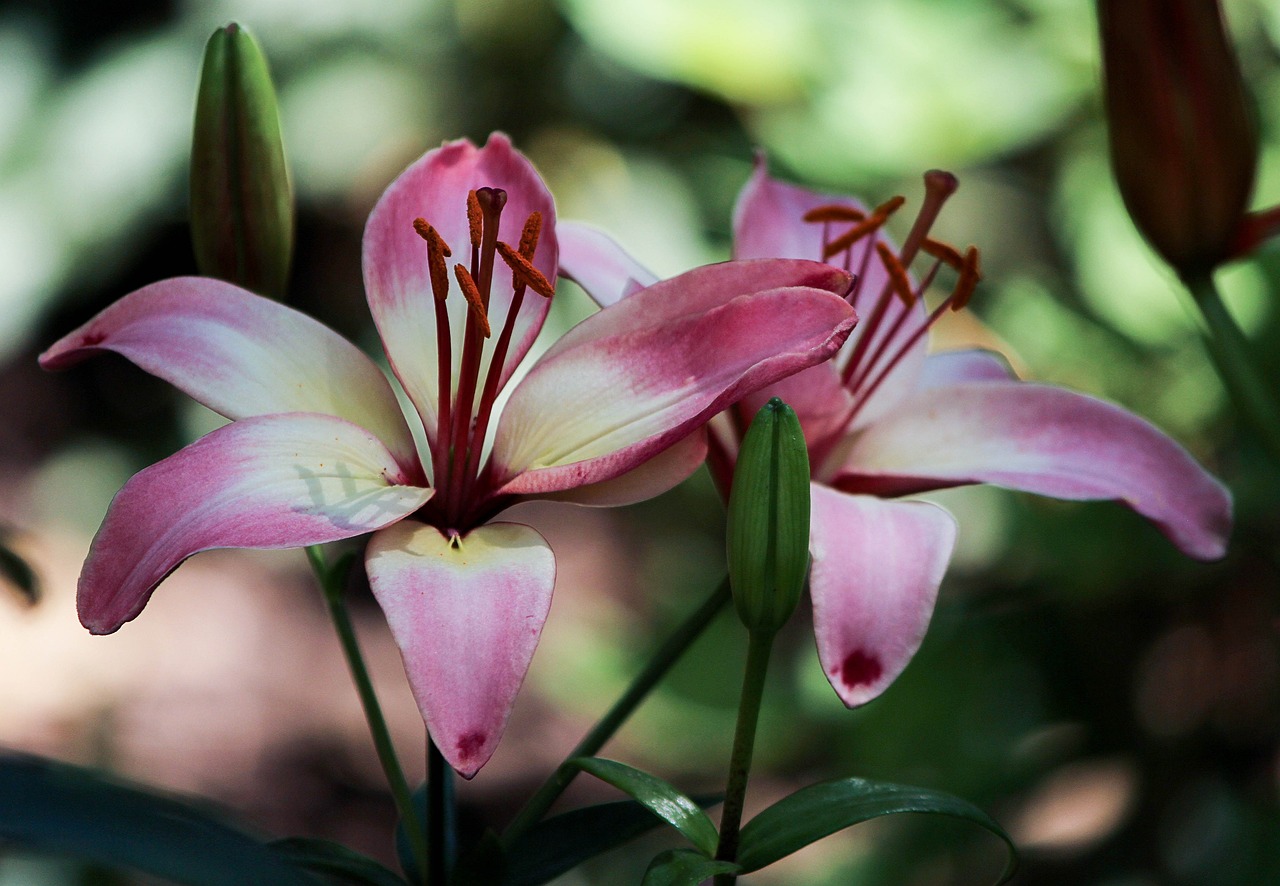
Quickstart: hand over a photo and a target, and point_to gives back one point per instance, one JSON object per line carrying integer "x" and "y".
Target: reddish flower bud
{"x": 1183, "y": 141}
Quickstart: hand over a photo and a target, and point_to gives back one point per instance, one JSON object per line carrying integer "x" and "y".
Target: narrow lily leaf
{"x": 338, "y": 863}
{"x": 820, "y": 810}
{"x": 17, "y": 574}
{"x": 561, "y": 843}
{"x": 54, "y": 807}
{"x": 659, "y": 797}
{"x": 241, "y": 201}
{"x": 684, "y": 867}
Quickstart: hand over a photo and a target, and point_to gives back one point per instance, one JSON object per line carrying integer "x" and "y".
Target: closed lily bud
{"x": 768, "y": 527}
{"x": 241, "y": 200}
{"x": 1183, "y": 141}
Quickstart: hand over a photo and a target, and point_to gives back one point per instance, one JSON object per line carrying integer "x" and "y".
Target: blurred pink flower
{"x": 884, "y": 420}
{"x": 319, "y": 449}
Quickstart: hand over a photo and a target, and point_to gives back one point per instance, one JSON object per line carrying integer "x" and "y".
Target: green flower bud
{"x": 241, "y": 201}
{"x": 768, "y": 531}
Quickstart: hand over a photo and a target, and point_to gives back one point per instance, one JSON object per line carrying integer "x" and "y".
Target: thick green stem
{"x": 665, "y": 656}
{"x": 332, "y": 584}
{"x": 1230, "y": 350}
{"x": 441, "y": 818}
{"x": 744, "y": 740}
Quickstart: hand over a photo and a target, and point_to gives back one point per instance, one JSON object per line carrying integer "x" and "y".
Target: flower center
{"x": 464, "y": 410}
{"x": 884, "y": 335}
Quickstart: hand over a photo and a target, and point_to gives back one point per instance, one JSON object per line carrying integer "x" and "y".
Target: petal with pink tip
{"x": 1045, "y": 440}
{"x": 241, "y": 355}
{"x": 664, "y": 471}
{"x": 876, "y": 570}
{"x": 396, "y": 278}
{"x": 272, "y": 481}
{"x": 631, "y": 380}
{"x": 466, "y": 612}
{"x": 954, "y": 367}
{"x": 768, "y": 222}
{"x": 595, "y": 261}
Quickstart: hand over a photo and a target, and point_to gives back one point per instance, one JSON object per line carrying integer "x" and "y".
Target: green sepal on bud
{"x": 242, "y": 214}
{"x": 768, "y": 527}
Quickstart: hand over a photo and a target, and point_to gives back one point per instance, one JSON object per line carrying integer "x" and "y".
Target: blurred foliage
{"x": 1113, "y": 704}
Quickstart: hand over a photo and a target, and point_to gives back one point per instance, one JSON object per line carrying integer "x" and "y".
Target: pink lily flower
{"x": 884, "y": 420}
{"x": 318, "y": 448}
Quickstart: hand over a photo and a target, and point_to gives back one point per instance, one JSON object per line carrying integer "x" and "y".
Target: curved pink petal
{"x": 273, "y": 481}
{"x": 466, "y": 613}
{"x": 876, "y": 570}
{"x": 664, "y": 471}
{"x": 595, "y": 261}
{"x": 768, "y": 222}
{"x": 241, "y": 355}
{"x": 636, "y": 377}
{"x": 1045, "y": 440}
{"x": 819, "y": 399}
{"x": 953, "y": 367}
{"x": 396, "y": 278}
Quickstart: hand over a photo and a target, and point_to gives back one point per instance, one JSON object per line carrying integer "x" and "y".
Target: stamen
{"x": 523, "y": 271}
{"x": 834, "y": 212}
{"x": 473, "y": 217}
{"x": 873, "y": 222}
{"x": 529, "y": 236}
{"x": 970, "y": 274}
{"x": 472, "y": 294}
{"x": 437, "y": 252}
{"x": 943, "y": 252}
{"x": 890, "y": 206}
{"x": 898, "y": 278}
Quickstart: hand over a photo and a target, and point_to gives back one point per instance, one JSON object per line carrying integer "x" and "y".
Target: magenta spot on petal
{"x": 93, "y": 338}
{"x": 470, "y": 744}
{"x": 860, "y": 669}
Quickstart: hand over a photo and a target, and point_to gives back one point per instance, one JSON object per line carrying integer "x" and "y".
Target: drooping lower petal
{"x": 466, "y": 612}
{"x": 876, "y": 570}
{"x": 634, "y": 378}
{"x": 241, "y": 355}
{"x": 274, "y": 481}
{"x": 1045, "y": 440}
{"x": 595, "y": 261}
{"x": 664, "y": 471}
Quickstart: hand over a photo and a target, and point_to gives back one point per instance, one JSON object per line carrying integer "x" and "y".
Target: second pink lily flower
{"x": 319, "y": 449}
{"x": 885, "y": 419}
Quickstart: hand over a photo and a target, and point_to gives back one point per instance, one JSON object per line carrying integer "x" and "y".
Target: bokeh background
{"x": 1115, "y": 705}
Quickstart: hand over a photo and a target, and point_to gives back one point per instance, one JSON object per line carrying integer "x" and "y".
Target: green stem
{"x": 1231, "y": 353}
{"x": 665, "y": 656}
{"x": 744, "y": 739}
{"x": 331, "y": 582}
{"x": 441, "y": 818}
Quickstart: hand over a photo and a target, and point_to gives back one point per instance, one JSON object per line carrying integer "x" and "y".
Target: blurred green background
{"x": 1115, "y": 705}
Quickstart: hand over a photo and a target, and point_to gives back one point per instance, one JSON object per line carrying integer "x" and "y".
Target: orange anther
{"x": 472, "y": 295}
{"x": 834, "y": 212}
{"x": 943, "y": 252}
{"x": 529, "y": 236}
{"x": 898, "y": 278}
{"x": 970, "y": 274}
{"x": 889, "y": 207}
{"x": 473, "y": 217}
{"x": 852, "y": 236}
{"x": 523, "y": 271}
{"x": 437, "y": 252}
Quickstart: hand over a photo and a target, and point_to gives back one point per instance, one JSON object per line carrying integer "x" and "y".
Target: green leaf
{"x": 16, "y": 573}
{"x": 58, "y": 808}
{"x": 658, "y": 797}
{"x": 337, "y": 862}
{"x": 684, "y": 867}
{"x": 561, "y": 843}
{"x": 242, "y": 214}
{"x": 819, "y": 810}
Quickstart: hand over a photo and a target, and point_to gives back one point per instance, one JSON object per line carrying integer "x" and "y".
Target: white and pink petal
{"x": 274, "y": 481}
{"x": 467, "y": 613}
{"x": 597, "y": 263}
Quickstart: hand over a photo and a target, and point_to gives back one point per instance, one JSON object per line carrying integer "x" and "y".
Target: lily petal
{"x": 273, "y": 481}
{"x": 1045, "y": 440}
{"x": 396, "y": 277}
{"x": 664, "y": 471}
{"x": 241, "y": 355}
{"x": 954, "y": 367}
{"x": 466, "y": 613}
{"x": 595, "y": 261}
{"x": 768, "y": 222}
{"x": 636, "y": 377}
{"x": 876, "y": 570}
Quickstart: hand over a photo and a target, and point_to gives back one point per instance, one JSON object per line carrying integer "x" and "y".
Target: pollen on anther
{"x": 970, "y": 275}
{"x": 833, "y": 212}
{"x": 437, "y": 252}
{"x": 523, "y": 271}
{"x": 898, "y": 278}
{"x": 943, "y": 252}
{"x": 472, "y": 294}
{"x": 473, "y": 217}
{"x": 853, "y": 235}
{"x": 529, "y": 236}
